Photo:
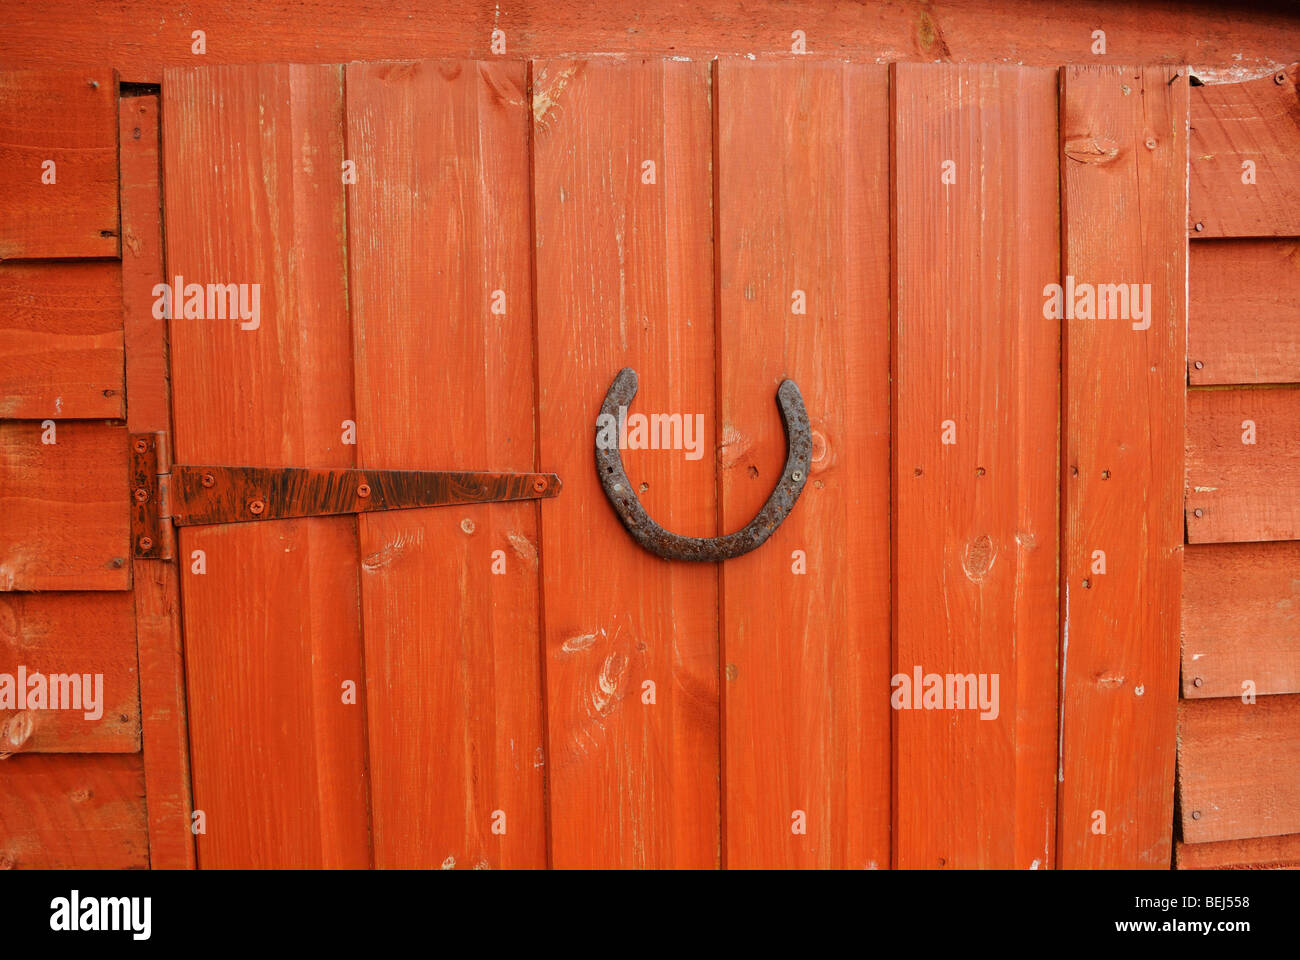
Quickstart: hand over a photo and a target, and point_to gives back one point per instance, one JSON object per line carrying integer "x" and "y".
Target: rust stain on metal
{"x": 213, "y": 494}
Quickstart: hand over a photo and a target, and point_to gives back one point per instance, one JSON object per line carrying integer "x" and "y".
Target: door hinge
{"x": 166, "y": 495}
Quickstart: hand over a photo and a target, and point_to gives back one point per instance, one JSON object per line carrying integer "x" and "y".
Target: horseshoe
{"x": 671, "y": 546}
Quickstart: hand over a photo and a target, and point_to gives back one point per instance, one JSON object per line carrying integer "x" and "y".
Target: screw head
{"x": 1151, "y": 143}
{"x": 1279, "y": 78}
{"x": 1198, "y": 365}
{"x": 140, "y": 494}
{"x": 539, "y": 484}
{"x": 1198, "y": 513}
{"x": 145, "y": 543}
{"x": 363, "y": 490}
{"x": 208, "y": 480}
{"x": 255, "y": 507}
{"x": 1200, "y": 227}
{"x": 797, "y": 476}
{"x": 1196, "y": 814}
{"x": 141, "y": 445}
{"x": 1197, "y": 682}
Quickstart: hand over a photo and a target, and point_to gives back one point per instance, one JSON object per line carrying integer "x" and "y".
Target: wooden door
{"x": 452, "y": 260}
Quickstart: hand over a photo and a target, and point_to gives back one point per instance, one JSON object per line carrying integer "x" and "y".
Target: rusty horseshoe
{"x": 671, "y": 546}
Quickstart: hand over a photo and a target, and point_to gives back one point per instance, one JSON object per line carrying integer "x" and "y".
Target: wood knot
{"x": 1091, "y": 149}
{"x": 979, "y": 558}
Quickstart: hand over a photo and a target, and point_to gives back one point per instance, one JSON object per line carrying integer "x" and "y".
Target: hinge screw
{"x": 141, "y": 445}
{"x": 539, "y": 484}
{"x": 145, "y": 543}
{"x": 208, "y": 480}
{"x": 141, "y": 494}
{"x": 797, "y": 476}
{"x": 255, "y": 507}
{"x": 363, "y": 491}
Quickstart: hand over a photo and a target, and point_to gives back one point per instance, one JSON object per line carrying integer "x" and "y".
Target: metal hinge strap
{"x": 166, "y": 495}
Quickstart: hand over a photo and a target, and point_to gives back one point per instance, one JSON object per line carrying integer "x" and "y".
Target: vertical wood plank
{"x": 252, "y": 161}
{"x": 624, "y": 272}
{"x": 803, "y": 205}
{"x": 438, "y": 225}
{"x": 1124, "y": 204}
{"x": 163, "y": 715}
{"x": 975, "y": 448}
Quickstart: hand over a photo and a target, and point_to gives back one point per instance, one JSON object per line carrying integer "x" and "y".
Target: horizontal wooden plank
{"x": 1245, "y": 157}
{"x": 73, "y": 812}
{"x": 1239, "y": 768}
{"x": 58, "y": 162}
{"x": 142, "y": 37}
{"x": 61, "y": 341}
{"x": 1243, "y": 465}
{"x": 91, "y": 635}
{"x": 1243, "y": 314}
{"x": 1258, "y": 853}
{"x": 65, "y": 506}
{"x": 1241, "y": 619}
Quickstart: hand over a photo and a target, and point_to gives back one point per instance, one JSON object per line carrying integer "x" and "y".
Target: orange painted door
{"x": 455, "y": 259}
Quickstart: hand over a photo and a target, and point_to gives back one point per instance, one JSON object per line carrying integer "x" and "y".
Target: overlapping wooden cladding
{"x": 1238, "y": 783}
{"x": 74, "y": 780}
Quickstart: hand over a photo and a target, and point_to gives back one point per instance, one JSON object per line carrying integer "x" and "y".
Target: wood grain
{"x": 1257, "y": 121}
{"x": 1239, "y": 768}
{"x": 1123, "y": 422}
{"x": 147, "y": 373}
{"x": 438, "y": 220}
{"x": 150, "y": 34}
{"x": 66, "y": 634}
{"x": 1241, "y": 619}
{"x": 1243, "y": 312}
{"x": 157, "y": 583}
{"x": 974, "y": 522}
{"x": 804, "y": 652}
{"x": 803, "y": 204}
{"x": 61, "y": 347}
{"x": 68, "y": 117}
{"x": 253, "y": 194}
{"x": 65, "y": 507}
{"x": 1238, "y": 491}
{"x": 1258, "y": 853}
{"x": 73, "y": 812}
{"x": 624, "y": 277}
